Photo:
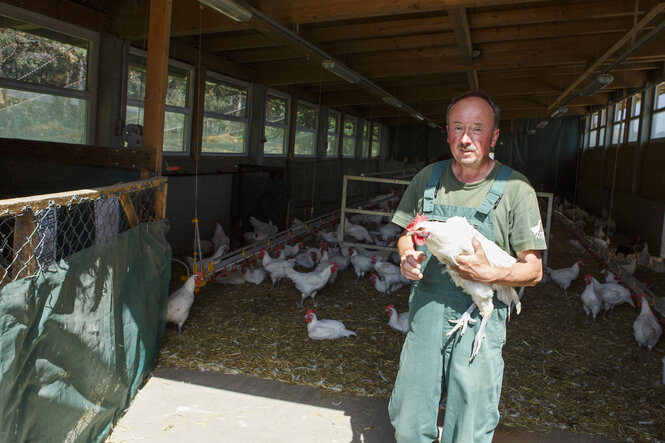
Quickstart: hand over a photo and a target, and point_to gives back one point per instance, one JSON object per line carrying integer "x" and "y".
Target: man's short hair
{"x": 481, "y": 95}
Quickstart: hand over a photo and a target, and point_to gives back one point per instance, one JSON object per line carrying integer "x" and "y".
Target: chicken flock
{"x": 312, "y": 263}
{"x": 605, "y": 296}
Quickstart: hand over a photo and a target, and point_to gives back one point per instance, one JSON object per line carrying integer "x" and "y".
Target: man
{"x": 503, "y": 206}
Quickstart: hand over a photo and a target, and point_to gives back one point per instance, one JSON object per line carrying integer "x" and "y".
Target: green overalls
{"x": 431, "y": 362}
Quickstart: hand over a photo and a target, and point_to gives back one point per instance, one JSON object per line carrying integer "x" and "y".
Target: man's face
{"x": 470, "y": 131}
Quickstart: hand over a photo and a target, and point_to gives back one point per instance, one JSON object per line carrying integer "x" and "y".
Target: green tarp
{"x": 77, "y": 340}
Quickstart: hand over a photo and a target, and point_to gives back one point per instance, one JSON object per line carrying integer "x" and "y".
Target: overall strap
{"x": 430, "y": 190}
{"x": 495, "y": 193}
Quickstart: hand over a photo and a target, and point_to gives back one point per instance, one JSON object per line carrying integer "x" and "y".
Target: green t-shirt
{"x": 517, "y": 224}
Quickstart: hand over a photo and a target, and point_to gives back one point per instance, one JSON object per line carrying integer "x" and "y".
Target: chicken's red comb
{"x": 416, "y": 221}
{"x": 310, "y": 311}
{"x": 199, "y": 273}
{"x": 588, "y": 276}
{"x": 389, "y": 307}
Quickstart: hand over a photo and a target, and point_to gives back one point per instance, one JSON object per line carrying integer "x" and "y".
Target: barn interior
{"x": 131, "y": 129}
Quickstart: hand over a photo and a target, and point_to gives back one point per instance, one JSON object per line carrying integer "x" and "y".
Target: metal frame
{"x": 548, "y": 222}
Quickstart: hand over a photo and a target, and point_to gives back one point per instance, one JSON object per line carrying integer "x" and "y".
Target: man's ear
{"x": 495, "y": 137}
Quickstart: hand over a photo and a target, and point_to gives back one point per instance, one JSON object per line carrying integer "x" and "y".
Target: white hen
{"x": 446, "y": 240}
{"x": 398, "y": 321}
{"x": 181, "y": 300}
{"x": 646, "y": 327}
{"x": 325, "y": 329}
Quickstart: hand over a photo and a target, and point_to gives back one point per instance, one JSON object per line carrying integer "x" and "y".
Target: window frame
{"x": 617, "y": 123}
{"x": 90, "y": 94}
{"x": 287, "y": 119}
{"x": 314, "y": 131}
{"x": 632, "y": 117}
{"x": 188, "y": 111}
{"x": 336, "y": 133}
{"x": 657, "y": 111}
{"x": 247, "y": 119}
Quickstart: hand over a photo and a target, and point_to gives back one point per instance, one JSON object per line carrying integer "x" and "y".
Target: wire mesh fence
{"x": 38, "y": 231}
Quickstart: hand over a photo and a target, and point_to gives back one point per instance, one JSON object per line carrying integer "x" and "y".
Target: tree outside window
{"x": 44, "y": 82}
{"x": 225, "y": 118}
{"x": 376, "y": 140}
{"x": 177, "y": 118}
{"x": 305, "y": 143}
{"x": 333, "y": 133}
{"x": 276, "y": 128}
{"x": 349, "y": 137}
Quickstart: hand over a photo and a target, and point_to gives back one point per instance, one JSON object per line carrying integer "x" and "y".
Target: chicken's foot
{"x": 480, "y": 335}
{"x": 463, "y": 321}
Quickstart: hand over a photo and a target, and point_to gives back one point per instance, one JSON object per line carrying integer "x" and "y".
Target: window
{"x": 618, "y": 127}
{"x": 225, "y": 117}
{"x": 658, "y": 116}
{"x": 305, "y": 143}
{"x": 349, "y": 137}
{"x": 46, "y": 90}
{"x": 597, "y": 125}
{"x": 365, "y": 141}
{"x": 333, "y": 133}
{"x": 634, "y": 122}
{"x": 593, "y": 129}
{"x": 276, "y": 124}
{"x": 376, "y": 140}
{"x": 177, "y": 118}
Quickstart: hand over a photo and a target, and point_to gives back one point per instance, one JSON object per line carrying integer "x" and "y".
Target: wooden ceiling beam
{"x": 460, "y": 24}
{"x": 317, "y": 11}
{"x": 657, "y": 10}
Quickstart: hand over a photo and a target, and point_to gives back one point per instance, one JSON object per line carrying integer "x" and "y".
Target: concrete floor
{"x": 177, "y": 405}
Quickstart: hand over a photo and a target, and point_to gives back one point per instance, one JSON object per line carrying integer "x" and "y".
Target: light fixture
{"x": 532, "y": 131}
{"x": 392, "y": 101}
{"x": 417, "y": 116}
{"x": 596, "y": 85}
{"x": 340, "y": 71}
{"x": 541, "y": 124}
{"x": 559, "y": 112}
{"x": 229, "y": 8}
{"x": 433, "y": 125}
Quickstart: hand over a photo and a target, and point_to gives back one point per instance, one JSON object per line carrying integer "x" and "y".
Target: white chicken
{"x": 287, "y": 251}
{"x": 229, "y": 278}
{"x": 361, "y": 263}
{"x": 446, "y": 240}
{"x": 609, "y": 277}
{"x": 644, "y": 255}
{"x": 389, "y": 285}
{"x": 329, "y": 236}
{"x": 563, "y": 277}
{"x": 646, "y": 327}
{"x": 591, "y": 301}
{"x": 657, "y": 265}
{"x": 309, "y": 283}
{"x": 308, "y": 258}
{"x": 398, "y": 321}
{"x": 325, "y": 329}
{"x": 275, "y": 267}
{"x": 181, "y": 300}
{"x": 612, "y": 294}
{"x": 219, "y": 238}
{"x": 204, "y": 263}
{"x": 267, "y": 229}
{"x": 630, "y": 267}
{"x": 357, "y": 232}
{"x": 253, "y": 275}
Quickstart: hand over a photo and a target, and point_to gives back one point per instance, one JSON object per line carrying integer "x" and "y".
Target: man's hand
{"x": 410, "y": 264}
{"x": 475, "y": 266}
